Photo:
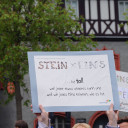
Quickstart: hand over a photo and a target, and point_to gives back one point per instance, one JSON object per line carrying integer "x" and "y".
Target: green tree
{"x": 34, "y": 25}
{"x": 126, "y": 19}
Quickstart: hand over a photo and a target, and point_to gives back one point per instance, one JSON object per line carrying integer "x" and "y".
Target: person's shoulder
{"x": 42, "y": 125}
{"x": 107, "y": 126}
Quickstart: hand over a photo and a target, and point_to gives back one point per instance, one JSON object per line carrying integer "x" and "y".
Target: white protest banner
{"x": 122, "y": 81}
{"x": 73, "y": 81}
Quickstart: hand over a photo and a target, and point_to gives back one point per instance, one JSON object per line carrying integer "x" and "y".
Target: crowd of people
{"x": 44, "y": 121}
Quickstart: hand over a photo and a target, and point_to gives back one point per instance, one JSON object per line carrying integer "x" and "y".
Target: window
{"x": 59, "y": 122}
{"x": 74, "y": 5}
{"x": 123, "y": 8}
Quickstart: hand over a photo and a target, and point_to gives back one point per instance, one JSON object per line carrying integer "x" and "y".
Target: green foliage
{"x": 26, "y": 103}
{"x": 35, "y": 25}
{"x": 126, "y": 18}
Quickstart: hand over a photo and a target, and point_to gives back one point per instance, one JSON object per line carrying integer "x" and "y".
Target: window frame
{"x": 125, "y": 10}
{"x": 77, "y": 9}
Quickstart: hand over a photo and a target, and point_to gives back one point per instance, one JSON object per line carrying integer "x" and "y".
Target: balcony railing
{"x": 103, "y": 29}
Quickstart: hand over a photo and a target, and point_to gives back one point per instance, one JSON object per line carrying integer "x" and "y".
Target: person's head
{"x": 81, "y": 125}
{"x": 21, "y": 124}
{"x": 123, "y": 123}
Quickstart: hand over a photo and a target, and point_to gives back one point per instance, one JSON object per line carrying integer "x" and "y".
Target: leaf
{"x": 26, "y": 103}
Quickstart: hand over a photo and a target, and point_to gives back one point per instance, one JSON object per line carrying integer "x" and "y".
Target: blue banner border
{"x": 34, "y": 93}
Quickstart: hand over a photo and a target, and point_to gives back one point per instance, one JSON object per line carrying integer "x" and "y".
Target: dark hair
{"x": 122, "y": 120}
{"x": 21, "y": 124}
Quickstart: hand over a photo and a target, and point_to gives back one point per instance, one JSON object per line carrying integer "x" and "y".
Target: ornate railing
{"x": 103, "y": 28}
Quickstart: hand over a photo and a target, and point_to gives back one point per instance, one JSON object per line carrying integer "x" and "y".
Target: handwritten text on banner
{"x": 73, "y": 80}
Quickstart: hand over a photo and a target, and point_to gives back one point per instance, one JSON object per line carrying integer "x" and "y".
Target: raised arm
{"x": 43, "y": 119}
{"x": 112, "y": 117}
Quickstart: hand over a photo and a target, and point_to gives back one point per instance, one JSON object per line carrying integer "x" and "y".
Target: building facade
{"x": 106, "y": 19}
